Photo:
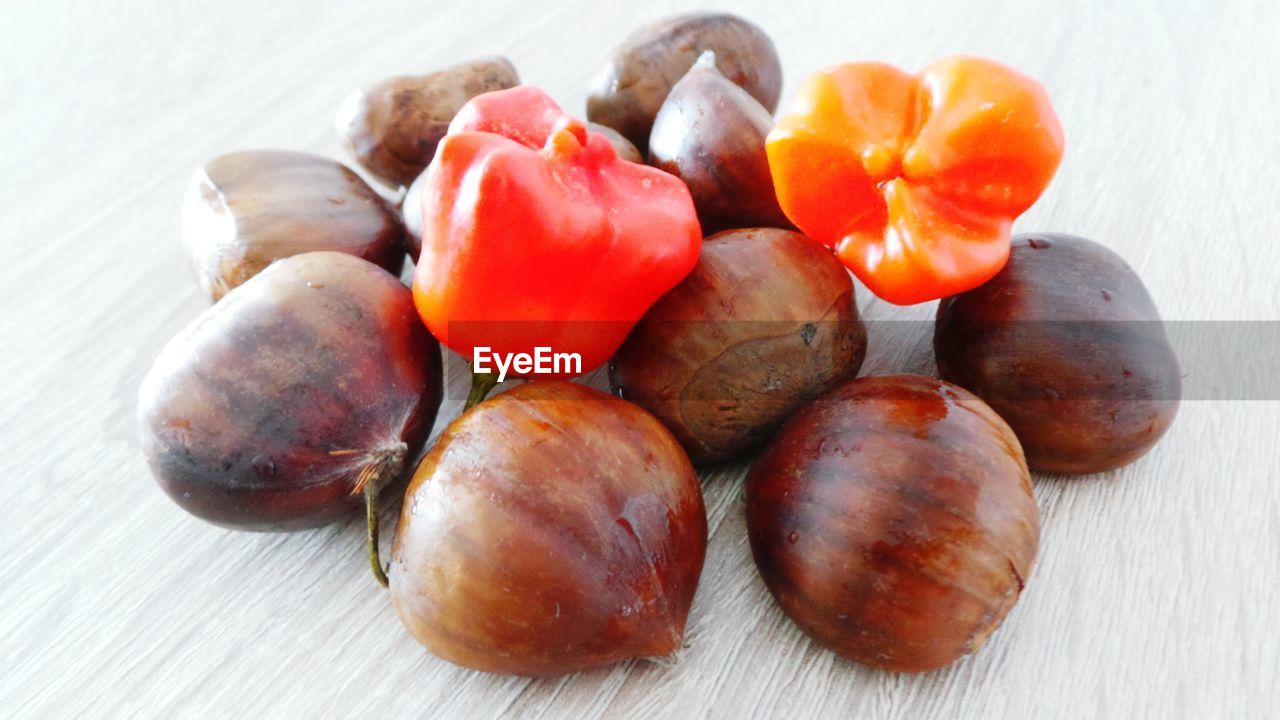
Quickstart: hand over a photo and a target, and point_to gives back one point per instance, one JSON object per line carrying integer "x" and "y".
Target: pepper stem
{"x": 568, "y": 137}
{"x": 371, "y": 488}
{"x": 481, "y": 384}
{"x": 387, "y": 461}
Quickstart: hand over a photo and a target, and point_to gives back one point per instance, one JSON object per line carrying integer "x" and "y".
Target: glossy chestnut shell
{"x": 274, "y": 406}
{"x": 393, "y": 126}
{"x": 411, "y": 212}
{"x": 1065, "y": 344}
{"x": 245, "y": 210}
{"x": 766, "y": 321}
{"x": 552, "y": 528}
{"x": 893, "y": 521}
{"x": 627, "y": 92}
{"x": 710, "y": 133}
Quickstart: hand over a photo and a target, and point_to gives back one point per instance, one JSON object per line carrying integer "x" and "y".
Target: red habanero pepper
{"x": 915, "y": 180}
{"x": 536, "y": 234}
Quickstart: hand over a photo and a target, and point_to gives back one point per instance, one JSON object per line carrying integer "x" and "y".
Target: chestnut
{"x": 710, "y": 133}
{"x": 551, "y": 528}
{"x": 392, "y": 127}
{"x": 411, "y": 213}
{"x": 245, "y": 210}
{"x": 305, "y": 388}
{"x": 764, "y": 323}
{"x": 893, "y": 521}
{"x": 1067, "y": 345}
{"x": 633, "y": 83}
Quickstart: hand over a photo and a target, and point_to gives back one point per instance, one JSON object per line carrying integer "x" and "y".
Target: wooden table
{"x": 1157, "y": 589}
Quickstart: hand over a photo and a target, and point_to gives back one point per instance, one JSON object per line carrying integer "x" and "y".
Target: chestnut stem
{"x": 371, "y": 523}
{"x": 481, "y": 384}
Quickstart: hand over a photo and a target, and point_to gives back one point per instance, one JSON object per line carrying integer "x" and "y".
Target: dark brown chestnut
{"x": 1067, "y": 345}
{"x": 392, "y": 127}
{"x": 710, "y": 133}
{"x": 279, "y": 406}
{"x": 245, "y": 210}
{"x": 633, "y": 83}
{"x": 551, "y": 528}
{"x": 764, "y": 323}
{"x": 893, "y": 521}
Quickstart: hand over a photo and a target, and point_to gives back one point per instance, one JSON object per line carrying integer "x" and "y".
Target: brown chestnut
{"x": 764, "y": 323}
{"x": 710, "y": 133}
{"x": 245, "y": 210}
{"x": 411, "y": 213}
{"x": 305, "y": 387}
{"x": 893, "y": 521}
{"x": 551, "y": 528}
{"x": 392, "y": 127}
{"x": 1067, "y": 345}
{"x": 633, "y": 83}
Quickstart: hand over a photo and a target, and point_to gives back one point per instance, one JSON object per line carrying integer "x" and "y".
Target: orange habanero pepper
{"x": 915, "y": 180}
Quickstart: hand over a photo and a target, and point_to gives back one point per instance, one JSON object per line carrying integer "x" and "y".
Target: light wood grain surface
{"x": 1158, "y": 586}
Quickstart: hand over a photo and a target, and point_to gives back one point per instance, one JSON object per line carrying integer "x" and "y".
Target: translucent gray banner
{"x": 1216, "y": 360}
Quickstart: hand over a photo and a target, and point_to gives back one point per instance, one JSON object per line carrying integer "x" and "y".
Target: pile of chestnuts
{"x": 554, "y": 527}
